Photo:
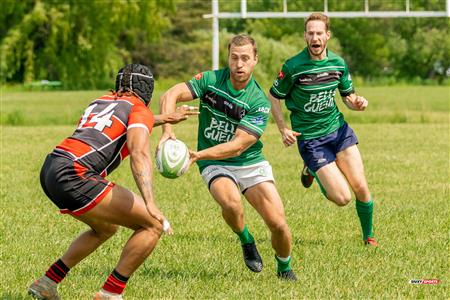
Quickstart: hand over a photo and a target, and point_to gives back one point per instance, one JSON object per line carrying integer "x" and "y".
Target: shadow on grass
{"x": 302, "y": 242}
{"x": 184, "y": 274}
{"x": 14, "y": 296}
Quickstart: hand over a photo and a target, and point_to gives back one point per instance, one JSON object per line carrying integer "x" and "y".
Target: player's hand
{"x": 158, "y": 215}
{"x": 193, "y": 157}
{"x": 181, "y": 114}
{"x": 360, "y": 103}
{"x": 355, "y": 102}
{"x": 289, "y": 136}
{"x": 164, "y": 137}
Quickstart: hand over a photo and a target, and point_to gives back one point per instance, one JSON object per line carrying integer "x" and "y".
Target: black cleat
{"x": 251, "y": 257}
{"x": 287, "y": 275}
{"x": 306, "y": 177}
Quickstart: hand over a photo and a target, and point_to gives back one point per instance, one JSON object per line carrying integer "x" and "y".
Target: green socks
{"x": 245, "y": 236}
{"x": 365, "y": 214}
{"x": 283, "y": 264}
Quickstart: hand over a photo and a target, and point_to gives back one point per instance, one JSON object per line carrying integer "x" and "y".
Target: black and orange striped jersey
{"x": 99, "y": 142}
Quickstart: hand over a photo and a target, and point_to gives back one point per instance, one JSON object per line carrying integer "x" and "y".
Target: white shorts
{"x": 244, "y": 176}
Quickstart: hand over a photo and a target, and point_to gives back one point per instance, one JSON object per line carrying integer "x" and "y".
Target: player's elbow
{"x": 239, "y": 149}
{"x": 139, "y": 155}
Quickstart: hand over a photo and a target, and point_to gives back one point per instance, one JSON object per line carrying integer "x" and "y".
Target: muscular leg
{"x": 88, "y": 241}
{"x": 265, "y": 199}
{"x": 350, "y": 163}
{"x": 119, "y": 207}
{"x": 334, "y": 183}
{"x": 226, "y": 193}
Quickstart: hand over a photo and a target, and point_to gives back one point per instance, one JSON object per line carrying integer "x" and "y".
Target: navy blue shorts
{"x": 321, "y": 151}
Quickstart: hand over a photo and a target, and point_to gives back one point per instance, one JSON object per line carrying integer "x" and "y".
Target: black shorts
{"x": 74, "y": 188}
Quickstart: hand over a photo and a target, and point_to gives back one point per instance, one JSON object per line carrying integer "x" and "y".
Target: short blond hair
{"x": 318, "y": 17}
{"x": 241, "y": 40}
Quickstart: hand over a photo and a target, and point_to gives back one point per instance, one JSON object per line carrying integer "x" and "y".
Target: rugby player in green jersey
{"x": 328, "y": 146}
{"x": 233, "y": 115}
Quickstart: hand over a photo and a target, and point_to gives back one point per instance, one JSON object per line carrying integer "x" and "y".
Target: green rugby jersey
{"x": 309, "y": 88}
{"x": 223, "y": 110}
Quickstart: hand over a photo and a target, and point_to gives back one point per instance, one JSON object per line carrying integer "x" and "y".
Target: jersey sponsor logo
{"x": 280, "y": 75}
{"x": 320, "y": 101}
{"x": 198, "y": 76}
{"x": 319, "y": 78}
{"x": 228, "y": 104}
{"x": 265, "y": 110}
{"x": 219, "y": 131}
{"x": 258, "y": 120}
{"x": 224, "y": 105}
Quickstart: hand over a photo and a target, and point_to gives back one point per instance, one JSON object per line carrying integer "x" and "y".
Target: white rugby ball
{"x": 172, "y": 158}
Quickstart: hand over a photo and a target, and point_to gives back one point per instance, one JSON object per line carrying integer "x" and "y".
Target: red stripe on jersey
{"x": 116, "y": 129}
{"x": 124, "y": 152}
{"x": 79, "y": 169}
{"x": 94, "y": 202}
{"x": 76, "y": 147}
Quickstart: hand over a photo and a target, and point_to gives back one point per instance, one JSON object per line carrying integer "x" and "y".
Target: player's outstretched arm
{"x": 355, "y": 102}
{"x": 180, "y": 114}
{"x": 288, "y": 136}
{"x": 141, "y": 167}
{"x": 167, "y": 104}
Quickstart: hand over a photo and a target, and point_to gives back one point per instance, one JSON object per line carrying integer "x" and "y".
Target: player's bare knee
{"x": 278, "y": 227}
{"x": 231, "y": 207}
{"x": 154, "y": 230}
{"x": 106, "y": 232}
{"x": 341, "y": 199}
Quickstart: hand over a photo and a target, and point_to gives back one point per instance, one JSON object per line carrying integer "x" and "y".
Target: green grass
{"x": 407, "y": 166}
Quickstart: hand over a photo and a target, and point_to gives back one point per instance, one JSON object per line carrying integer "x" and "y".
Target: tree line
{"x": 82, "y": 44}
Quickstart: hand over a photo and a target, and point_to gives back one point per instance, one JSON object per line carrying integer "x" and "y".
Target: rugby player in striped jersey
{"x": 73, "y": 177}
{"x": 328, "y": 146}
{"x": 233, "y": 115}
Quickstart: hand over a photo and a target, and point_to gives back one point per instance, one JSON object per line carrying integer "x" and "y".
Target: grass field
{"x": 404, "y": 139}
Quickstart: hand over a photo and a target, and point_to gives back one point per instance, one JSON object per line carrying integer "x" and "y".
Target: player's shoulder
{"x": 297, "y": 61}
{"x": 212, "y": 76}
{"x": 258, "y": 96}
{"x": 335, "y": 59}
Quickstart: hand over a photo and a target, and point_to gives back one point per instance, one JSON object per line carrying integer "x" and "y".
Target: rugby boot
{"x": 306, "y": 177}
{"x": 371, "y": 242}
{"x": 251, "y": 257}
{"x": 44, "y": 289}
{"x": 103, "y": 295}
{"x": 288, "y": 275}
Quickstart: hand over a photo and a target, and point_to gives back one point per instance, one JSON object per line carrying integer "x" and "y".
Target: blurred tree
{"x": 80, "y": 43}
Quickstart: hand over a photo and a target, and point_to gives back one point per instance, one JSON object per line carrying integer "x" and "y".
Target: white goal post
{"x": 367, "y": 13}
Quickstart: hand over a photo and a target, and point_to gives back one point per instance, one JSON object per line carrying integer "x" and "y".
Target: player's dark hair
{"x": 318, "y": 17}
{"x": 137, "y": 79}
{"x": 241, "y": 40}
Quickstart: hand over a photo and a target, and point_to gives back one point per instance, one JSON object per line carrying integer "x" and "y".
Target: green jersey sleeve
{"x": 282, "y": 85}
{"x": 255, "y": 121}
{"x": 199, "y": 83}
{"x": 345, "y": 83}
